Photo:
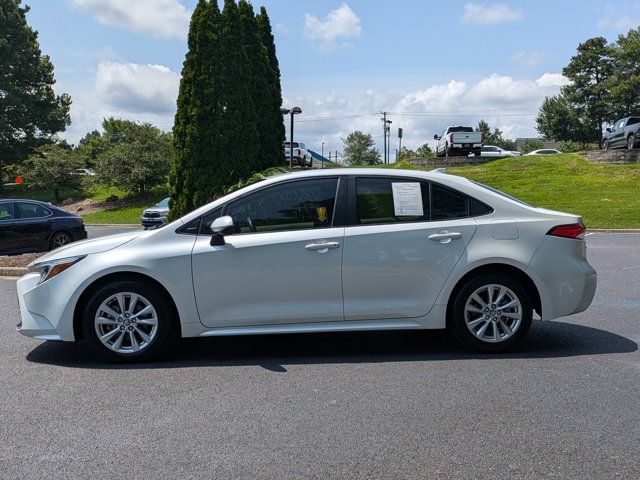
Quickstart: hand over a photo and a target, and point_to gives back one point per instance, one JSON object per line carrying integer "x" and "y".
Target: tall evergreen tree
{"x": 273, "y": 145}
{"x": 225, "y": 126}
{"x": 191, "y": 125}
{"x": 30, "y": 111}
{"x": 259, "y": 84}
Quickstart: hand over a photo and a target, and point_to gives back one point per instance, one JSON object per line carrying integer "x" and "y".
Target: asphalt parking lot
{"x": 366, "y": 405}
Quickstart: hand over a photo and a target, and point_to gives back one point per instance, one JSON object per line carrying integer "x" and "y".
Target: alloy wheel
{"x": 126, "y": 322}
{"x": 60, "y": 240}
{"x": 493, "y": 313}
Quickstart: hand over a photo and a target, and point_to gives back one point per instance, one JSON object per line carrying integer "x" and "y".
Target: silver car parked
{"x": 319, "y": 251}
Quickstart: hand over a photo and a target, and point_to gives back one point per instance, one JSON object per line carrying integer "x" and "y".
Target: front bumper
{"x": 152, "y": 221}
{"x": 33, "y": 324}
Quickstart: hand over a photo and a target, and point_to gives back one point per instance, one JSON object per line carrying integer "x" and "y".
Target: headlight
{"x": 50, "y": 269}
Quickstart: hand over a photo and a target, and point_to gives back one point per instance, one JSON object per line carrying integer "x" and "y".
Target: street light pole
{"x": 292, "y": 112}
{"x": 322, "y": 155}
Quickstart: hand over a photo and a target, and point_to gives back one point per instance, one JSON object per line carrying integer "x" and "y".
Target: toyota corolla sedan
{"x": 321, "y": 251}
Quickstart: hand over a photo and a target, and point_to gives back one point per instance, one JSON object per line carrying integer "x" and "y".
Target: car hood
{"x": 160, "y": 210}
{"x": 87, "y": 247}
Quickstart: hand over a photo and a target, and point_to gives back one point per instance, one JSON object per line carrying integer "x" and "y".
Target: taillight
{"x": 575, "y": 230}
{"x": 451, "y": 138}
{"x": 482, "y": 138}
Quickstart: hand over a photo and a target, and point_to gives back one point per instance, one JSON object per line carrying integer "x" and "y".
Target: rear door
{"x": 9, "y": 238}
{"x": 33, "y": 224}
{"x": 403, "y": 238}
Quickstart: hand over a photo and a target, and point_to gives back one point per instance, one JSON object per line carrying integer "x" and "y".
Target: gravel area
{"x": 18, "y": 260}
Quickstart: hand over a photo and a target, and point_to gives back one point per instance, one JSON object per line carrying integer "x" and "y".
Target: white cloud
{"x": 167, "y": 19}
{"x": 339, "y": 24}
{"x": 619, "y": 18}
{"x": 506, "y": 103}
{"x": 483, "y": 14}
{"x": 137, "y": 88}
{"x": 528, "y": 58}
{"x": 552, "y": 80}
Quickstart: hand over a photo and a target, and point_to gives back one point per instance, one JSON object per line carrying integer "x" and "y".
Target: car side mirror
{"x": 608, "y": 129}
{"x": 435, "y": 137}
{"x": 221, "y": 227}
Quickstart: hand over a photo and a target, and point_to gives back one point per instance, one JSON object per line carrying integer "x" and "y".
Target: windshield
{"x": 163, "y": 203}
{"x": 502, "y": 194}
{"x": 460, "y": 129}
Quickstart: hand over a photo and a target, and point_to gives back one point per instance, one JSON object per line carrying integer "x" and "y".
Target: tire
{"x": 150, "y": 337}
{"x": 631, "y": 142}
{"x": 468, "y": 314}
{"x": 448, "y": 152}
{"x": 605, "y": 145}
{"x": 59, "y": 239}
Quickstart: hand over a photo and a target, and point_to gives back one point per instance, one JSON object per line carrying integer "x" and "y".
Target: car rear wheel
{"x": 60, "y": 239}
{"x": 491, "y": 313}
{"x": 127, "y": 321}
{"x": 605, "y": 145}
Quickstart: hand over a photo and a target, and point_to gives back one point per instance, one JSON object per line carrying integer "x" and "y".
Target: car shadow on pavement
{"x": 545, "y": 340}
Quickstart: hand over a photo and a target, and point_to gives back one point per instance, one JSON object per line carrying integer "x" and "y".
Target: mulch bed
{"x": 18, "y": 260}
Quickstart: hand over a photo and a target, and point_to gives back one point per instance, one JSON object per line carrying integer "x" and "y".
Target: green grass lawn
{"x": 606, "y": 195}
{"x": 129, "y": 213}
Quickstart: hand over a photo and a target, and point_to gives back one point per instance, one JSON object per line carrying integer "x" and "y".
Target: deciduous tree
{"x": 359, "y": 149}
{"x": 30, "y": 111}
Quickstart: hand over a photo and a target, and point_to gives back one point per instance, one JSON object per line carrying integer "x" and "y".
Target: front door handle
{"x": 322, "y": 247}
{"x": 445, "y": 236}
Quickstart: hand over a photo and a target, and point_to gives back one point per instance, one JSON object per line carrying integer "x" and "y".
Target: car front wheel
{"x": 127, "y": 321}
{"x": 491, "y": 313}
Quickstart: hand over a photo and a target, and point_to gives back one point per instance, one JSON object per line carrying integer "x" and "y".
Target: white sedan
{"x": 544, "y": 151}
{"x": 498, "y": 152}
{"x": 321, "y": 251}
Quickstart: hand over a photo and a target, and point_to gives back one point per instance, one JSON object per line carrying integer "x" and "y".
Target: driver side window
{"x": 290, "y": 206}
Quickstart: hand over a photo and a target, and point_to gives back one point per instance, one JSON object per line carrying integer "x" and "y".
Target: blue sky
{"x": 430, "y": 63}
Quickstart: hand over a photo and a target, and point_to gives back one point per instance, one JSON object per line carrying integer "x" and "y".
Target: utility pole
{"x": 399, "y": 143}
{"x": 386, "y": 130}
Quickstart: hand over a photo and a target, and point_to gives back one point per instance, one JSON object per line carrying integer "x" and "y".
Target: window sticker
{"x": 407, "y": 199}
{"x": 322, "y": 214}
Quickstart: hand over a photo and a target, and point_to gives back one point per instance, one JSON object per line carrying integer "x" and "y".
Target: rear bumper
{"x": 567, "y": 282}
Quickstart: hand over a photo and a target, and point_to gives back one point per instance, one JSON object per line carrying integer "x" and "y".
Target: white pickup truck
{"x": 458, "y": 141}
{"x": 301, "y": 155}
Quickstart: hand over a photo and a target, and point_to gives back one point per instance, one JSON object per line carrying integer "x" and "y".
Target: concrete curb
{"x": 125, "y": 225}
{"x": 12, "y": 271}
{"x": 613, "y": 230}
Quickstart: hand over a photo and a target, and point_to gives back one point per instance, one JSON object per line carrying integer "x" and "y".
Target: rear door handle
{"x": 322, "y": 246}
{"x": 445, "y": 237}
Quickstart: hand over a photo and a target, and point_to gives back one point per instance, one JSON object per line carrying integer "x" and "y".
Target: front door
{"x": 396, "y": 262}
{"x": 282, "y": 264}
